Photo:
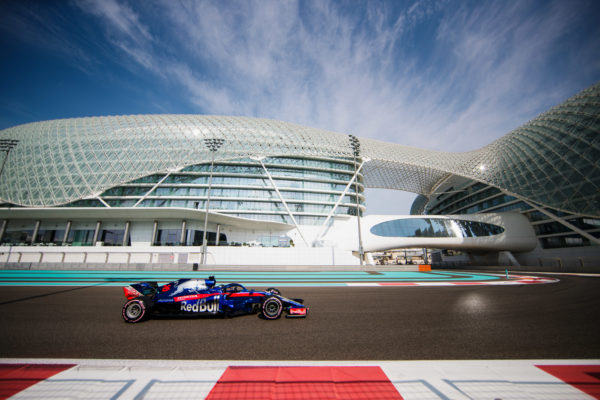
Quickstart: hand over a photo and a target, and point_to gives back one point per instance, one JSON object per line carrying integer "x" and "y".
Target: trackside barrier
{"x": 424, "y": 267}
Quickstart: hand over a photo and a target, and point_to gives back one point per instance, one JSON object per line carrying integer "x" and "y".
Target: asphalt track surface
{"x": 557, "y": 320}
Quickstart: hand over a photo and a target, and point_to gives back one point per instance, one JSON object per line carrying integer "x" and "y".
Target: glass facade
{"x": 551, "y": 160}
{"x": 50, "y": 236}
{"x": 17, "y": 236}
{"x": 191, "y": 237}
{"x": 164, "y": 161}
{"x": 468, "y": 197}
{"x": 310, "y": 187}
{"x": 435, "y": 228}
{"x": 81, "y": 237}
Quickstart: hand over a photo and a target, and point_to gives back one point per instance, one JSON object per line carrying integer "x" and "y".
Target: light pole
{"x": 213, "y": 145}
{"x": 355, "y": 144}
{"x": 7, "y": 145}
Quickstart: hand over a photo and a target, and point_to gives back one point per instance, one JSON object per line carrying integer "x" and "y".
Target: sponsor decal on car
{"x": 202, "y": 305}
{"x": 298, "y": 311}
{"x": 195, "y": 296}
{"x": 247, "y": 294}
{"x": 131, "y": 293}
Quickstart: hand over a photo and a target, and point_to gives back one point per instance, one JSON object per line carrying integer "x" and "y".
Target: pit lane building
{"x": 181, "y": 189}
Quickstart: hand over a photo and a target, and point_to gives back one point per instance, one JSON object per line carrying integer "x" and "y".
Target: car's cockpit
{"x": 233, "y": 288}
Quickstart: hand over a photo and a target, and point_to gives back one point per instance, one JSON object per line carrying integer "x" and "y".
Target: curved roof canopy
{"x": 552, "y": 160}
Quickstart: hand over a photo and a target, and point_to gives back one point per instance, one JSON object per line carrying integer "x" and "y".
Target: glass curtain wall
{"x": 431, "y": 227}
{"x": 470, "y": 197}
{"x": 241, "y": 188}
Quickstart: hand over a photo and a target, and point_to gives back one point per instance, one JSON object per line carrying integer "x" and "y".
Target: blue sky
{"x": 443, "y": 75}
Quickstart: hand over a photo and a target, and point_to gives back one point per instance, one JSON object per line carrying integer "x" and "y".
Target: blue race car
{"x": 195, "y": 297}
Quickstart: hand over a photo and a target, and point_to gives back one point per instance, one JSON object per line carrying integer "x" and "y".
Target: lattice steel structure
{"x": 552, "y": 160}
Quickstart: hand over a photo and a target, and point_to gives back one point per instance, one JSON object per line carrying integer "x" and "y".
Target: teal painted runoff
{"x": 281, "y": 278}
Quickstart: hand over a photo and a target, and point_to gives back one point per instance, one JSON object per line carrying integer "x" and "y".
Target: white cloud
{"x": 119, "y": 17}
{"x": 501, "y": 55}
{"x": 437, "y": 75}
{"x": 433, "y": 74}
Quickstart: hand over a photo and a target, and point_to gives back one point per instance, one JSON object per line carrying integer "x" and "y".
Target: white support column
{"x": 259, "y": 159}
{"x": 152, "y": 189}
{"x": 126, "y": 233}
{"x": 36, "y": 229}
{"x": 67, "y": 232}
{"x": 218, "y": 234}
{"x": 348, "y": 186}
{"x": 96, "y": 233}
{"x": 511, "y": 258}
{"x": 103, "y": 202}
{"x": 3, "y": 229}
{"x": 182, "y": 237}
{"x": 154, "y": 233}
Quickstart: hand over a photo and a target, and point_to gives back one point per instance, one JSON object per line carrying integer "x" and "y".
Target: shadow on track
{"x": 48, "y": 294}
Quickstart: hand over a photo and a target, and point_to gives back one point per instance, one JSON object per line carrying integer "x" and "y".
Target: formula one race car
{"x": 195, "y": 297}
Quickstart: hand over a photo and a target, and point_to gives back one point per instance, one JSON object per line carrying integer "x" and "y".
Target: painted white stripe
{"x": 461, "y": 380}
{"x": 515, "y": 280}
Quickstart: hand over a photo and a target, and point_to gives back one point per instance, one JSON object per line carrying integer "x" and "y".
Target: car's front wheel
{"x": 271, "y": 308}
{"x": 134, "y": 311}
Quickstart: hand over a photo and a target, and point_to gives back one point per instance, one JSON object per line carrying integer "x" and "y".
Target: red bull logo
{"x": 202, "y": 306}
{"x": 297, "y": 311}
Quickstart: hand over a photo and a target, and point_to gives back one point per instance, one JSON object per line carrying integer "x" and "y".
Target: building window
{"x": 168, "y": 237}
{"x": 430, "y": 227}
{"x": 19, "y": 237}
{"x": 81, "y": 237}
{"x": 195, "y": 238}
{"x": 113, "y": 237}
{"x": 50, "y": 236}
{"x": 555, "y": 242}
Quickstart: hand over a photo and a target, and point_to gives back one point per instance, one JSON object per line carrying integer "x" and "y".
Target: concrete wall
{"x": 171, "y": 256}
{"x": 582, "y": 259}
{"x": 575, "y": 259}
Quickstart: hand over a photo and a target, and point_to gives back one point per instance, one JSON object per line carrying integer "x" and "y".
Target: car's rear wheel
{"x": 134, "y": 311}
{"x": 271, "y": 308}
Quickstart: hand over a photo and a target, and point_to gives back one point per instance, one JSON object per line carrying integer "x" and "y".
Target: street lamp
{"x": 7, "y": 145}
{"x": 213, "y": 145}
{"x": 355, "y": 144}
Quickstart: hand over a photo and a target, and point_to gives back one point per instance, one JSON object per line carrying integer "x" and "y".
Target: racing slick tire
{"x": 271, "y": 308}
{"x": 273, "y": 290}
{"x": 134, "y": 311}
